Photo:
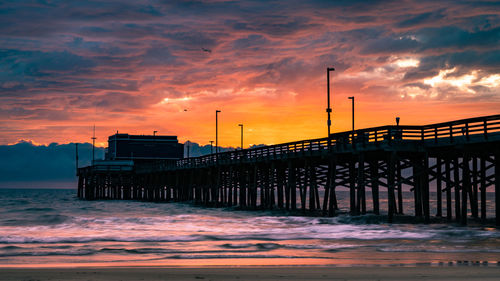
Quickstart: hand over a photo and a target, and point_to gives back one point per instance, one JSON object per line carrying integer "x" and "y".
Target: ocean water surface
{"x": 51, "y": 227}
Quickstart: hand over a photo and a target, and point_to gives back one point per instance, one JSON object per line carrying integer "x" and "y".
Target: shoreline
{"x": 84, "y": 266}
{"x": 419, "y": 272}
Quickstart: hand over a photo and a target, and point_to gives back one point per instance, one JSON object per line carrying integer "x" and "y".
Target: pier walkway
{"x": 459, "y": 160}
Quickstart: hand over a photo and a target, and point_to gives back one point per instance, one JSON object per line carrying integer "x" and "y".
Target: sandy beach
{"x": 256, "y": 273}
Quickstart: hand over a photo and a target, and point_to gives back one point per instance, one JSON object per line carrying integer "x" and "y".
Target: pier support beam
{"x": 497, "y": 188}
{"x": 80, "y": 186}
{"x": 417, "y": 186}
{"x": 352, "y": 187}
{"x": 361, "y": 202}
{"x": 425, "y": 188}
{"x": 483, "y": 188}
{"x": 400, "y": 187}
{"x": 466, "y": 188}
{"x": 375, "y": 190}
{"x": 448, "y": 190}
{"x": 391, "y": 166}
{"x": 280, "y": 181}
{"x": 332, "y": 174}
{"x": 439, "y": 190}
{"x": 456, "y": 176}
{"x": 474, "y": 200}
{"x": 292, "y": 185}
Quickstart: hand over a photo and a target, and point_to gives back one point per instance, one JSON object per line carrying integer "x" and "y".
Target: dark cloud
{"x": 489, "y": 61}
{"x": 467, "y": 61}
{"x": 390, "y": 45}
{"x": 421, "y": 19}
{"x": 451, "y": 37}
{"x": 418, "y": 85}
{"x": 353, "y": 6}
{"x": 119, "y": 102}
{"x": 274, "y": 26}
{"x": 36, "y": 63}
{"x": 357, "y": 19}
{"x": 21, "y": 113}
{"x": 158, "y": 56}
{"x": 192, "y": 39}
{"x": 251, "y": 41}
{"x": 99, "y": 48}
{"x": 280, "y": 72}
{"x": 433, "y": 39}
{"x": 111, "y": 10}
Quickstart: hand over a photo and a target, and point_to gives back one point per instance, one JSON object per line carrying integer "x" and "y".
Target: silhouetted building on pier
{"x": 143, "y": 148}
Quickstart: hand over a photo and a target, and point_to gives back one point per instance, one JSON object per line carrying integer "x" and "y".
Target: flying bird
{"x": 206, "y": 50}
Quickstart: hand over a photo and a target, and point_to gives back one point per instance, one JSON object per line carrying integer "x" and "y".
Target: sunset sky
{"x": 139, "y": 66}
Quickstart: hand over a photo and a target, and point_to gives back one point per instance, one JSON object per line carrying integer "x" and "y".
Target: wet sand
{"x": 255, "y": 273}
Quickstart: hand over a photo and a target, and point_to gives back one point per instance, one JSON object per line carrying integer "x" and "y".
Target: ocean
{"x": 53, "y": 228}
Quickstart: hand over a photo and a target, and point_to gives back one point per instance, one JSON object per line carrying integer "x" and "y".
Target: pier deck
{"x": 459, "y": 159}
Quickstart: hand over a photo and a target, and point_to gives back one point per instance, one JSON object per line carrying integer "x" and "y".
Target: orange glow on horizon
{"x": 270, "y": 122}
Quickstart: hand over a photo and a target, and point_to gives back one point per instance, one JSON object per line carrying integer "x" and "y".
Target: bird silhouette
{"x": 206, "y": 50}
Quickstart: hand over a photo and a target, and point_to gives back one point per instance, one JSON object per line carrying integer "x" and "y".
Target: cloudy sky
{"x": 138, "y": 66}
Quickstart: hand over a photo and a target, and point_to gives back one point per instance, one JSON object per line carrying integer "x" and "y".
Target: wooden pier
{"x": 459, "y": 158}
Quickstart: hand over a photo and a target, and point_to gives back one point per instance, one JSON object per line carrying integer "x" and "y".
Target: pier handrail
{"x": 445, "y": 132}
{"x": 361, "y": 137}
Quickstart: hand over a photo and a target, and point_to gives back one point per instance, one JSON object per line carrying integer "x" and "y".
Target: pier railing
{"x": 440, "y": 133}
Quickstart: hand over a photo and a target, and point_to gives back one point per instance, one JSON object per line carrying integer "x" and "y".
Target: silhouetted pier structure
{"x": 459, "y": 158}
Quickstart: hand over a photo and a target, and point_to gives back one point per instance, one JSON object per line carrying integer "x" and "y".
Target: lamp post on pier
{"x": 241, "y": 125}
{"x": 352, "y": 133}
{"x": 93, "y": 146}
{"x": 328, "y": 108}
{"x": 399, "y": 132}
{"x": 352, "y": 98}
{"x": 217, "y": 132}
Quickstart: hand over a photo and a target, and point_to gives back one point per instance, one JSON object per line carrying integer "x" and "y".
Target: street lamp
{"x": 93, "y": 146}
{"x": 399, "y": 132}
{"x": 328, "y": 109}
{"x": 211, "y": 147}
{"x": 217, "y": 131}
{"x": 352, "y": 98}
{"x": 241, "y": 125}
